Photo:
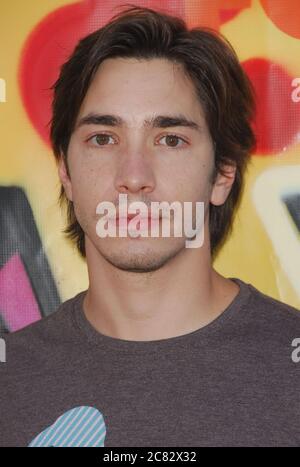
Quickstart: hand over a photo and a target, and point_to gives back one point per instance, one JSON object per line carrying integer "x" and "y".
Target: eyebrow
{"x": 160, "y": 121}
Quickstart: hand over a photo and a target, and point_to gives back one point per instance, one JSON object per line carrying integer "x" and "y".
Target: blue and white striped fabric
{"x": 78, "y": 427}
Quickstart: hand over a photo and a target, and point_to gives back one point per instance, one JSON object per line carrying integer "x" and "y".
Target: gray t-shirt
{"x": 233, "y": 382}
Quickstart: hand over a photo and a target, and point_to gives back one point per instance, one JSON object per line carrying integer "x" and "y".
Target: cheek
{"x": 89, "y": 189}
{"x": 193, "y": 182}
{"x": 84, "y": 177}
{"x": 84, "y": 184}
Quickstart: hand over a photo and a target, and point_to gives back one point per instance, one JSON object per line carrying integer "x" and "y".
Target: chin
{"x": 147, "y": 259}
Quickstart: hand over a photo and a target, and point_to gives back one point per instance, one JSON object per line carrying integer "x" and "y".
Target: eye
{"x": 100, "y": 139}
{"x": 172, "y": 141}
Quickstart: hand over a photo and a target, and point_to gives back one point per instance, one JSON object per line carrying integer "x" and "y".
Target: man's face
{"x": 139, "y": 160}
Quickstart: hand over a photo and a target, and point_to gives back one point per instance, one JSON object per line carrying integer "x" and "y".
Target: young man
{"x": 161, "y": 350}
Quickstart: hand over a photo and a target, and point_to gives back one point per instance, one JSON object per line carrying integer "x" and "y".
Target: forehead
{"x": 132, "y": 88}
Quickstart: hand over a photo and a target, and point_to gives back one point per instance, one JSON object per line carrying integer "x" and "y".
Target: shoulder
{"x": 41, "y": 340}
{"x": 267, "y": 332}
{"x": 52, "y": 325}
{"x": 269, "y": 304}
{"x": 272, "y": 315}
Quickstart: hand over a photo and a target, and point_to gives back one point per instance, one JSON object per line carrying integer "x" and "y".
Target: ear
{"x": 64, "y": 178}
{"x": 222, "y": 185}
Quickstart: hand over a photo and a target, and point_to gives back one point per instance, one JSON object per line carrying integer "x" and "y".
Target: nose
{"x": 135, "y": 174}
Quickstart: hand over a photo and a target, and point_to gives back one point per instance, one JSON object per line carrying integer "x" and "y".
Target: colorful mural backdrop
{"x": 39, "y": 268}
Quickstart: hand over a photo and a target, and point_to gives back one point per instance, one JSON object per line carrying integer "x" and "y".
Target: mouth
{"x": 142, "y": 220}
{"x": 132, "y": 216}
{"x": 141, "y": 217}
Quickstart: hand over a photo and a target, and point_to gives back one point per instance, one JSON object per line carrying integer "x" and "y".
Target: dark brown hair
{"x": 223, "y": 89}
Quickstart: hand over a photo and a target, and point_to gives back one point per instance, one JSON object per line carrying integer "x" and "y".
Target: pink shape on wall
{"x": 18, "y": 306}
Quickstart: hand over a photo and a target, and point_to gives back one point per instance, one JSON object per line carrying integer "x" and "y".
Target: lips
{"x": 128, "y": 217}
{"x": 143, "y": 223}
{"x": 132, "y": 216}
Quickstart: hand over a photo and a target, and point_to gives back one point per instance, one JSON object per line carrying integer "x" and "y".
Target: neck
{"x": 180, "y": 297}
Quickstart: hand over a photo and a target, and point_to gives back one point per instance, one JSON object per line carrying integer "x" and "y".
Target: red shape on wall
{"x": 213, "y": 13}
{"x": 46, "y": 48}
{"x": 230, "y": 8}
{"x": 278, "y": 117}
{"x": 285, "y": 14}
